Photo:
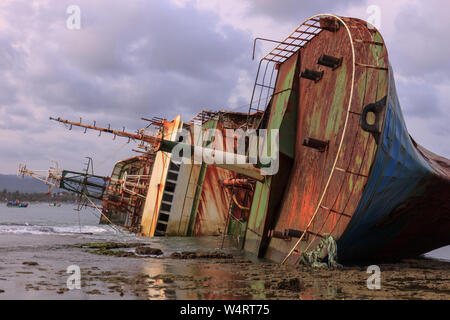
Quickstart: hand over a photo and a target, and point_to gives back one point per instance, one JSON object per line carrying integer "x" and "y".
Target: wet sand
{"x": 34, "y": 267}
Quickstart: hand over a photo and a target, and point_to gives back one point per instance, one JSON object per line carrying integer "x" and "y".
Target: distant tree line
{"x": 6, "y": 196}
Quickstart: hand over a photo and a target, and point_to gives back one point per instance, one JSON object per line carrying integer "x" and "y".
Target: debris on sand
{"x": 149, "y": 251}
{"x": 115, "y": 253}
{"x": 62, "y": 290}
{"x": 106, "y": 249}
{"x": 290, "y": 285}
{"x": 201, "y": 255}
{"x": 30, "y": 263}
{"x": 109, "y": 245}
{"x": 95, "y": 291}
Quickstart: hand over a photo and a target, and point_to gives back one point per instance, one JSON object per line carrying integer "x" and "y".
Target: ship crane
{"x": 148, "y": 139}
{"x": 119, "y": 193}
{"x": 50, "y": 177}
{"x": 91, "y": 185}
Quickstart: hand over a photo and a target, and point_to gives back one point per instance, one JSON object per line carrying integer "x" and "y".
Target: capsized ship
{"x": 348, "y": 168}
{"x": 351, "y": 169}
{"x": 354, "y": 171}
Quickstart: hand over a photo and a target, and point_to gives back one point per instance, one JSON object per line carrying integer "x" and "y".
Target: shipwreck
{"x": 348, "y": 169}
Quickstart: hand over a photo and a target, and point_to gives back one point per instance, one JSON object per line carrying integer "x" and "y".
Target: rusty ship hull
{"x": 348, "y": 167}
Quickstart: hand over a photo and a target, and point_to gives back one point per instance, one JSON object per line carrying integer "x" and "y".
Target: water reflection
{"x": 204, "y": 279}
{"x": 212, "y": 279}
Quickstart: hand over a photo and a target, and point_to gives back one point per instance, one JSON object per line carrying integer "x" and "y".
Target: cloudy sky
{"x": 133, "y": 58}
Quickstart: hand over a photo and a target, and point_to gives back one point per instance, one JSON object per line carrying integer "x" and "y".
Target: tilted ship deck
{"x": 347, "y": 165}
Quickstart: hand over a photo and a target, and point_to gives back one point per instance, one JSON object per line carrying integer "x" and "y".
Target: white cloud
{"x": 145, "y": 58}
{"x": 161, "y": 58}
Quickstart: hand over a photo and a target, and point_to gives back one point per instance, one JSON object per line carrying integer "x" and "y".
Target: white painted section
{"x": 157, "y": 182}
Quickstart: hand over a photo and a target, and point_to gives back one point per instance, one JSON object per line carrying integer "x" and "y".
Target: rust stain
{"x": 322, "y": 115}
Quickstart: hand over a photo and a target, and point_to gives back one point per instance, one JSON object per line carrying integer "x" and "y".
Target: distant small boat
{"x": 54, "y": 204}
{"x": 17, "y": 204}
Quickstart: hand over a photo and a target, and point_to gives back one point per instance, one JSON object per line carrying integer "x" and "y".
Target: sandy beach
{"x": 38, "y": 244}
{"x": 34, "y": 267}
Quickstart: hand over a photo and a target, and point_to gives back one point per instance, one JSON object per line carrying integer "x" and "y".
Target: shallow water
{"x": 41, "y": 219}
{"x": 45, "y": 234}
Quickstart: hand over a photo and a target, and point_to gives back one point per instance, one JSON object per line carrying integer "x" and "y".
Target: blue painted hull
{"x": 405, "y": 207}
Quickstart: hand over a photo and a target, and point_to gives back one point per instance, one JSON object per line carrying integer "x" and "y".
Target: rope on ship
{"x": 327, "y": 247}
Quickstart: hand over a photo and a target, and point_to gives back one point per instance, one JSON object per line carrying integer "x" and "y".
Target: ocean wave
{"x": 35, "y": 229}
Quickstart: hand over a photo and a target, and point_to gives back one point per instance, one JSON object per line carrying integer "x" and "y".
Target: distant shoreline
{"x": 43, "y": 201}
{"x": 59, "y": 197}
